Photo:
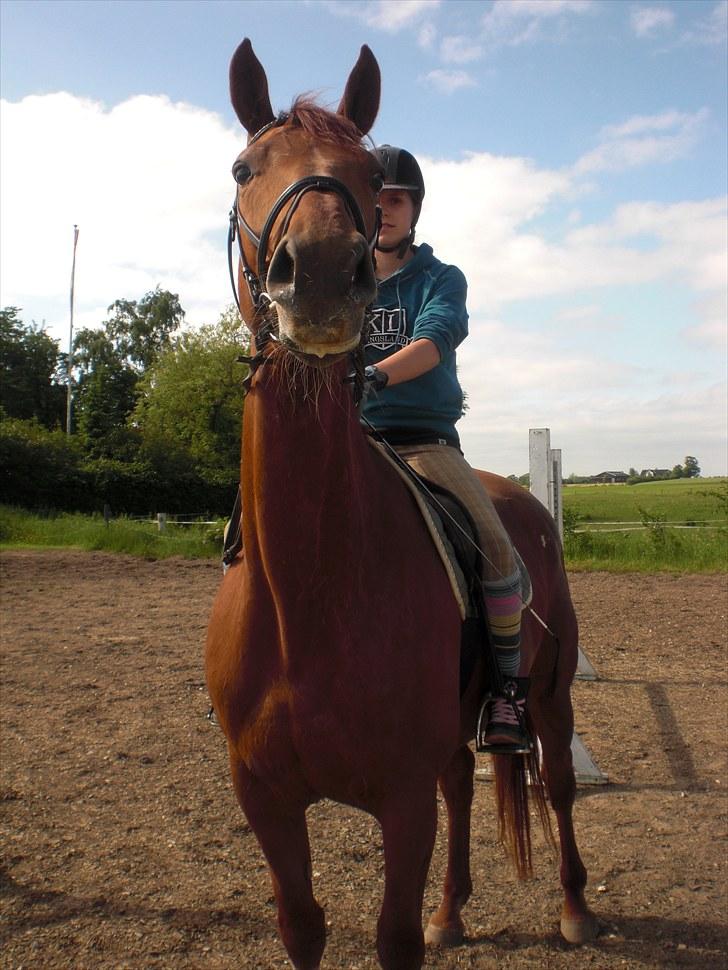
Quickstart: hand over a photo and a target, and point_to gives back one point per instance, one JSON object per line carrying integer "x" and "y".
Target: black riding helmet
{"x": 401, "y": 171}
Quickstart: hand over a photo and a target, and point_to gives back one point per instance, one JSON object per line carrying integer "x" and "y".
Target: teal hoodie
{"x": 426, "y": 298}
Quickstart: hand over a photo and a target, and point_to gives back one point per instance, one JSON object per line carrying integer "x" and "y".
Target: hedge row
{"x": 42, "y": 470}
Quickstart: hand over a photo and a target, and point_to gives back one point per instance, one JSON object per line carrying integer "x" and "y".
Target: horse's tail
{"x": 512, "y": 775}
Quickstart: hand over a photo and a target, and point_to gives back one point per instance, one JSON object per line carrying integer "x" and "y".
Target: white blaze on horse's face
{"x": 309, "y": 190}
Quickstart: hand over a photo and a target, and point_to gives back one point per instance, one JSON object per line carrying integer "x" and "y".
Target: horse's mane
{"x": 324, "y": 124}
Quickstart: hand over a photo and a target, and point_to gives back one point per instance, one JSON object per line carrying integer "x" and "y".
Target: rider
{"x": 413, "y": 401}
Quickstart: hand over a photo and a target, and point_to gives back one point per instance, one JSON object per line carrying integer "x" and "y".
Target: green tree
{"x": 691, "y": 468}
{"x": 106, "y": 399}
{"x": 104, "y": 396}
{"x": 191, "y": 400}
{"x": 30, "y": 371}
{"x": 141, "y": 330}
{"x": 109, "y": 364}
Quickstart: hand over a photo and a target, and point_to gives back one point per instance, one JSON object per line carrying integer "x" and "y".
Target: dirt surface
{"x": 123, "y": 845}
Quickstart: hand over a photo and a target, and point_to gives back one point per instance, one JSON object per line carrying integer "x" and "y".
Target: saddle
{"x": 455, "y": 537}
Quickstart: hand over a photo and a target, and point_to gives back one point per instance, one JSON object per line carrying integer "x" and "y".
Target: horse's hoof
{"x": 580, "y": 929}
{"x": 443, "y": 935}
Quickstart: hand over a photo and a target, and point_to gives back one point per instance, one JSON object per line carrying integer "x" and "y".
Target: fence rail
{"x": 713, "y": 524}
{"x": 162, "y": 519}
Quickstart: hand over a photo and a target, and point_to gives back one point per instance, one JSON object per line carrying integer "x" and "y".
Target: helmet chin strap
{"x": 401, "y": 247}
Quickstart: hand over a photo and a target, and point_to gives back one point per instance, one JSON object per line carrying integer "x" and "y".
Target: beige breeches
{"x": 446, "y": 467}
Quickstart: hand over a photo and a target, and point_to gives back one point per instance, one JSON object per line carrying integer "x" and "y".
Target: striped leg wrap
{"x": 503, "y": 605}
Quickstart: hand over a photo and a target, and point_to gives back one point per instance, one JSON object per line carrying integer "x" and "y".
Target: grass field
{"x": 590, "y": 539}
{"x": 657, "y": 548}
{"x": 624, "y": 528}
{"x": 682, "y": 500}
{"x": 19, "y": 528}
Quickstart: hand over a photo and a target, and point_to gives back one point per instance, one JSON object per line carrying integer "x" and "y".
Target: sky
{"x": 574, "y": 153}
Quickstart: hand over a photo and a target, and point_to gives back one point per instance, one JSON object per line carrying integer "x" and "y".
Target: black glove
{"x": 376, "y": 379}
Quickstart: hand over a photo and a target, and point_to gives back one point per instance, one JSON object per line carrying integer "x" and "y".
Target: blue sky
{"x": 575, "y": 156}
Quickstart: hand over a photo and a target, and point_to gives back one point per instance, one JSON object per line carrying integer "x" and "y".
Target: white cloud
{"x": 515, "y": 22}
{"x": 607, "y": 411}
{"x": 649, "y": 21}
{"x": 685, "y": 240}
{"x": 599, "y": 429}
{"x": 446, "y": 82}
{"x": 147, "y": 183}
{"x": 711, "y": 30}
{"x": 642, "y": 140}
{"x": 477, "y": 209}
{"x": 459, "y": 50}
{"x": 388, "y": 15}
{"x": 583, "y": 317}
{"x": 426, "y": 35}
{"x": 712, "y": 331}
{"x": 602, "y": 412}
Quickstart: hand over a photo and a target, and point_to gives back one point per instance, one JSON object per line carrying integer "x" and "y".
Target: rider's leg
{"x": 447, "y": 467}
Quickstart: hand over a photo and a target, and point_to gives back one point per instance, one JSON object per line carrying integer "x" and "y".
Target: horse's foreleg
{"x": 456, "y": 783}
{"x": 554, "y": 721}
{"x": 283, "y": 836}
{"x": 408, "y": 832}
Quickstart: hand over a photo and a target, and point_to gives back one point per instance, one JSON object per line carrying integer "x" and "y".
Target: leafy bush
{"x": 43, "y": 469}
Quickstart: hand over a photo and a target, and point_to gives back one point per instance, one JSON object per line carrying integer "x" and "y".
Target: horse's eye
{"x": 377, "y": 181}
{"x": 241, "y": 172}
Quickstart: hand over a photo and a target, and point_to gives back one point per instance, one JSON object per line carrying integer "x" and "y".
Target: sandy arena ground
{"x": 123, "y": 845}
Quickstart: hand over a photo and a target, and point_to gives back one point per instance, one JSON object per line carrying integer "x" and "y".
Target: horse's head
{"x": 306, "y": 209}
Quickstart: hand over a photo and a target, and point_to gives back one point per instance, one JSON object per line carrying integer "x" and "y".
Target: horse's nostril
{"x": 295, "y": 278}
{"x": 282, "y": 266}
{"x": 363, "y": 283}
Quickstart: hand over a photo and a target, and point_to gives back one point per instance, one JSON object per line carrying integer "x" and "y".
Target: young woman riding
{"x": 414, "y": 400}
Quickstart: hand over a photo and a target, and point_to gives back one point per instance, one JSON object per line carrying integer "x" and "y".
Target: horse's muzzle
{"x": 321, "y": 287}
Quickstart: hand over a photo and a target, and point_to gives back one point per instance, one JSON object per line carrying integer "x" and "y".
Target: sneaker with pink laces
{"x": 505, "y": 725}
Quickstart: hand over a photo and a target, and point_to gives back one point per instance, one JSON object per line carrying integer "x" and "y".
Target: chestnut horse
{"x": 332, "y": 655}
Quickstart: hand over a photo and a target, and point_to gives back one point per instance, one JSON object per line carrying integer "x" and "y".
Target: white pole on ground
{"x": 584, "y": 668}
{"x": 544, "y": 467}
{"x": 539, "y": 446}
{"x": 586, "y": 771}
{"x": 555, "y": 504}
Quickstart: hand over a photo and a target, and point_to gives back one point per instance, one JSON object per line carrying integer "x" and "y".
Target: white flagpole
{"x": 69, "y": 362}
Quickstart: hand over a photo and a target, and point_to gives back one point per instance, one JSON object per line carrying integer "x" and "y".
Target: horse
{"x": 332, "y": 653}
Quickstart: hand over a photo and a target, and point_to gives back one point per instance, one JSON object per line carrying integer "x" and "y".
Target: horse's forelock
{"x": 323, "y": 124}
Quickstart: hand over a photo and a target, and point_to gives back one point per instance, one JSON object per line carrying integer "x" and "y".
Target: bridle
{"x": 295, "y": 192}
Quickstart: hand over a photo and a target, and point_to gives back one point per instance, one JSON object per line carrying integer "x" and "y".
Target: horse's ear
{"x": 360, "y": 103}
{"x": 249, "y": 89}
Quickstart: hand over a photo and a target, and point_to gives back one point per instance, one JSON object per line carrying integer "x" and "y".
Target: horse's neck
{"x": 305, "y": 469}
